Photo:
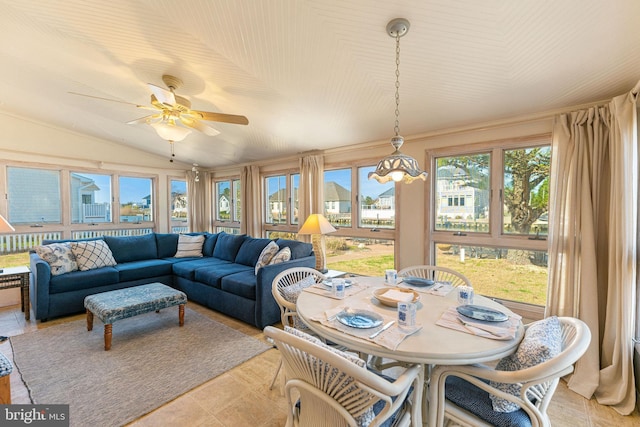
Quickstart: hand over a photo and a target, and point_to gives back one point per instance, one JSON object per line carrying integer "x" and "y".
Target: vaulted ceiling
{"x": 313, "y": 74}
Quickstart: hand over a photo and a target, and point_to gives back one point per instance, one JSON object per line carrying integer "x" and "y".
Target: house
{"x": 313, "y": 78}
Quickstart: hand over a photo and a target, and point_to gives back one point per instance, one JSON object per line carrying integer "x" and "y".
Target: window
{"x": 276, "y": 199}
{"x": 90, "y": 198}
{"x": 33, "y": 196}
{"x": 178, "y": 207}
{"x": 489, "y": 217}
{"x": 227, "y": 207}
{"x": 337, "y": 197}
{"x": 136, "y": 199}
{"x": 377, "y": 202}
{"x": 295, "y": 186}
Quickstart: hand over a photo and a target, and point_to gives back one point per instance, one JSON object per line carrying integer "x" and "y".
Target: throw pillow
{"x": 92, "y": 254}
{"x": 333, "y": 374}
{"x": 189, "y": 246}
{"x": 266, "y": 255}
{"x": 291, "y": 292}
{"x": 283, "y": 255}
{"x": 59, "y": 257}
{"x": 541, "y": 342}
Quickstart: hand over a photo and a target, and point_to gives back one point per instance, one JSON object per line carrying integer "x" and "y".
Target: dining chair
{"x": 467, "y": 394}
{"x": 328, "y": 387}
{"x": 286, "y": 287}
{"x": 438, "y": 274}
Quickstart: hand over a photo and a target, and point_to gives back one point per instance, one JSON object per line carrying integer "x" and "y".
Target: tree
{"x": 526, "y": 193}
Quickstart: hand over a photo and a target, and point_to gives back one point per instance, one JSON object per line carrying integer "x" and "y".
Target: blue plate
{"x": 479, "y": 312}
{"x": 417, "y": 281}
{"x": 361, "y": 319}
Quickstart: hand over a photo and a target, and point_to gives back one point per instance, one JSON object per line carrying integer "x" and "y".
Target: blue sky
{"x": 131, "y": 189}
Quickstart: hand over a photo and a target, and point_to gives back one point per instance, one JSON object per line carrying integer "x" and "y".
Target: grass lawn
{"x": 498, "y": 278}
{"x": 14, "y": 260}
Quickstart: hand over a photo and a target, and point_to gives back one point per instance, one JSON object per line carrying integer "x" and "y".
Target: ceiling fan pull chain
{"x": 172, "y": 153}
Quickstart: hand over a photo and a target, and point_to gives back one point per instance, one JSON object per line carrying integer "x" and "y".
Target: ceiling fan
{"x": 173, "y": 118}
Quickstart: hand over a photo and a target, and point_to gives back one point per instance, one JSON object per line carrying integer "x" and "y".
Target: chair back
{"x": 438, "y": 274}
{"x": 538, "y": 382}
{"x": 288, "y": 278}
{"x": 333, "y": 390}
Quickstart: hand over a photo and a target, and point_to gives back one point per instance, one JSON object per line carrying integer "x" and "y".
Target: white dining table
{"x": 431, "y": 345}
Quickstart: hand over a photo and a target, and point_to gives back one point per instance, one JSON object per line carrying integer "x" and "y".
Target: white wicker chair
{"x": 288, "y": 315}
{"x": 538, "y": 385}
{"x": 324, "y": 388}
{"x": 439, "y": 274}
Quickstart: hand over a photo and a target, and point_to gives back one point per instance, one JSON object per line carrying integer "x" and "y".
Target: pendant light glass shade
{"x": 397, "y": 166}
{"x": 169, "y": 130}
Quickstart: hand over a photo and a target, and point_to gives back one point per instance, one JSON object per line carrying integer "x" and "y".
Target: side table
{"x": 17, "y": 277}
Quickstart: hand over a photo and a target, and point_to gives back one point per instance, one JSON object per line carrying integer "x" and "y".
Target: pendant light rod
{"x": 397, "y": 166}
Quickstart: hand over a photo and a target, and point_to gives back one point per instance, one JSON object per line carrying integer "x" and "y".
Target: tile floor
{"x": 241, "y": 396}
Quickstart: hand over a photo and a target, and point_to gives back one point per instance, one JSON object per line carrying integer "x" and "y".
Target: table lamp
{"x": 317, "y": 226}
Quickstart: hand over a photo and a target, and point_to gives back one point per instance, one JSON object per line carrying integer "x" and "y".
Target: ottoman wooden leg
{"x": 5, "y": 390}
{"x": 89, "y": 321}
{"x": 107, "y": 336}
{"x": 181, "y": 314}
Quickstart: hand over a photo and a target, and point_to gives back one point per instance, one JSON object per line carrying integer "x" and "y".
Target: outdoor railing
{"x": 23, "y": 242}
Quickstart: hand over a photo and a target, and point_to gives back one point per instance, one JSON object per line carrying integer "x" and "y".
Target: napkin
{"x": 325, "y": 291}
{"x": 398, "y": 295}
{"x": 391, "y": 338}
{"x": 494, "y": 330}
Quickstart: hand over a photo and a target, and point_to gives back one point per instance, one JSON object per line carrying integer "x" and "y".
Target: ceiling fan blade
{"x": 144, "y": 119}
{"x": 208, "y": 130}
{"x": 219, "y": 117}
{"x": 112, "y": 100}
{"x": 163, "y": 95}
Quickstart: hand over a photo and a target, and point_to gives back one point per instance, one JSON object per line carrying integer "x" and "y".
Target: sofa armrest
{"x": 266, "y": 306}
{"x": 39, "y": 286}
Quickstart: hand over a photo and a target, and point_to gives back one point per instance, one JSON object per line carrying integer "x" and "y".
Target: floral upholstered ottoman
{"x": 128, "y": 302}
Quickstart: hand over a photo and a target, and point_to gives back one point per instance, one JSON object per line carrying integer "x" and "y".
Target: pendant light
{"x": 397, "y": 166}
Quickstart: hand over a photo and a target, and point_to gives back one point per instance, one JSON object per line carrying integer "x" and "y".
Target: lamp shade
{"x": 316, "y": 224}
{"x": 170, "y": 131}
{"x": 5, "y": 227}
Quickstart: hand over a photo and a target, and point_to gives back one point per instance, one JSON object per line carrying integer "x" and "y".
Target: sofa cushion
{"x": 209, "y": 244}
{"x": 78, "y": 280}
{"x": 144, "y": 269}
{"x": 59, "y": 257}
{"x": 132, "y": 248}
{"x": 92, "y": 254}
{"x": 265, "y": 256}
{"x": 188, "y": 268}
{"x": 189, "y": 246}
{"x": 542, "y": 341}
{"x": 298, "y": 249}
{"x": 228, "y": 245}
{"x": 212, "y": 275}
{"x": 242, "y": 284}
{"x": 250, "y": 251}
{"x": 167, "y": 244}
{"x": 283, "y": 255}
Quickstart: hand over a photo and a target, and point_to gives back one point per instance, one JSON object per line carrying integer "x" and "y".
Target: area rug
{"x": 152, "y": 361}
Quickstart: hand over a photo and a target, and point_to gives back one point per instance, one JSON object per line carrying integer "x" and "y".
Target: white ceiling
{"x": 310, "y": 74}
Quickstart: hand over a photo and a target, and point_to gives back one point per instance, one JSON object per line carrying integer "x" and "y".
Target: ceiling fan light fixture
{"x": 169, "y": 130}
{"x": 397, "y": 166}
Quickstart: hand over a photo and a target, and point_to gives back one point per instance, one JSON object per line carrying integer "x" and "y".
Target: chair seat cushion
{"x": 477, "y": 401}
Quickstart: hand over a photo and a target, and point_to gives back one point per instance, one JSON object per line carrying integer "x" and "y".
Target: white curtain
{"x": 250, "y": 206}
{"x": 199, "y": 215}
{"x": 593, "y": 242}
{"x": 310, "y": 192}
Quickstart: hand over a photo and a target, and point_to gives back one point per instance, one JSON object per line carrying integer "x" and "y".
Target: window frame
{"x": 173, "y": 224}
{"x": 231, "y": 225}
{"x": 494, "y": 238}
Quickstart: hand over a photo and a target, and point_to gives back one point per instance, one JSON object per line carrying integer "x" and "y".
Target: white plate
{"x": 361, "y": 319}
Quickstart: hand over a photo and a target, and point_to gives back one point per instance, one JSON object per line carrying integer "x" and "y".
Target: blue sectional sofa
{"x": 223, "y": 279}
